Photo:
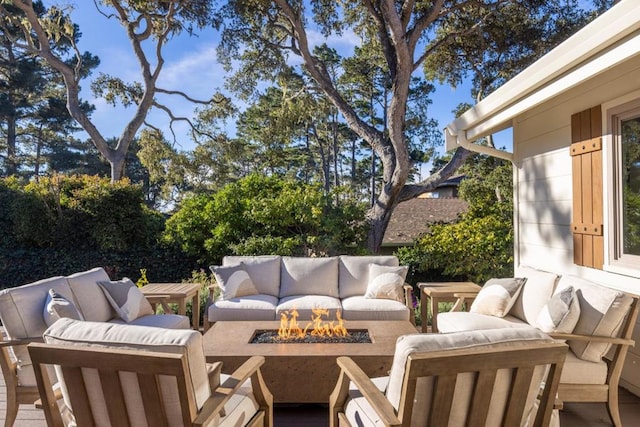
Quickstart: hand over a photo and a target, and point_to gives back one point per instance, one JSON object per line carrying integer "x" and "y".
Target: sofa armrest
{"x": 20, "y": 341}
{"x": 408, "y": 301}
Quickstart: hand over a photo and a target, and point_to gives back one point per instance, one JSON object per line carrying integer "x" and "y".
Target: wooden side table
{"x": 179, "y": 293}
{"x": 433, "y": 293}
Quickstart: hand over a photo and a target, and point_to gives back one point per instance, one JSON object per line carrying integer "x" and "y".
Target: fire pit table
{"x": 303, "y": 372}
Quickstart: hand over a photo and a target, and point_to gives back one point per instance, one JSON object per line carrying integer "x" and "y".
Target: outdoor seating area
{"x": 85, "y": 366}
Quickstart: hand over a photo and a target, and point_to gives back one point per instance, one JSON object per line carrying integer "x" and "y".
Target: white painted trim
{"x": 577, "y": 59}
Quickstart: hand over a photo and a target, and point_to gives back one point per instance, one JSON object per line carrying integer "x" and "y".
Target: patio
{"x": 574, "y": 415}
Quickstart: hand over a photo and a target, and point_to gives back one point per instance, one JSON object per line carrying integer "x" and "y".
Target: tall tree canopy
{"x": 149, "y": 27}
{"x": 399, "y": 36}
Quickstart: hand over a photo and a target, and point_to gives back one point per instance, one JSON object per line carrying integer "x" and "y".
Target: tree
{"x": 152, "y": 23}
{"x": 261, "y": 35}
{"x": 260, "y": 214}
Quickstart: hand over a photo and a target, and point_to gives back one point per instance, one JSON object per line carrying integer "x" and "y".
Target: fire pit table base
{"x": 303, "y": 372}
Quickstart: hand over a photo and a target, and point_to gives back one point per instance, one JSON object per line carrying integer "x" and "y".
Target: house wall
{"x": 543, "y": 187}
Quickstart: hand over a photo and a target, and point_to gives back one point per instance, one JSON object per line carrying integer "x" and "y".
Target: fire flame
{"x": 289, "y": 327}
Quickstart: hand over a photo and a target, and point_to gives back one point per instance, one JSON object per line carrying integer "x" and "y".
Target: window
{"x": 625, "y": 122}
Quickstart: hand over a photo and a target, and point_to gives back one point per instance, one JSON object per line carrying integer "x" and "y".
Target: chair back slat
{"x": 112, "y": 387}
{"x": 152, "y": 401}
{"x": 520, "y": 386}
{"x": 78, "y": 396}
{"x": 481, "y": 400}
{"x": 443, "y": 389}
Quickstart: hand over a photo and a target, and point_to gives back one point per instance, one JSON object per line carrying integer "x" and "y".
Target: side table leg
{"x": 434, "y": 314}
{"x": 423, "y": 310}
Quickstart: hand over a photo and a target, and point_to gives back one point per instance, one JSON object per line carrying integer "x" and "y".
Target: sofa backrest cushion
{"x": 354, "y": 272}
{"x": 602, "y": 312}
{"x": 70, "y": 332}
{"x": 309, "y": 276}
{"x": 535, "y": 293}
{"x": 264, "y": 271}
{"x": 489, "y": 339}
{"x": 90, "y": 299}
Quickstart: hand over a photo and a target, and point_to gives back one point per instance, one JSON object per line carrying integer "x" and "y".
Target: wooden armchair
{"x": 479, "y": 378}
{"x": 155, "y": 372}
{"x": 17, "y": 393}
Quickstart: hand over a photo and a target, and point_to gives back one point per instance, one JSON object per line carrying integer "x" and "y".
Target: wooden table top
{"x": 170, "y": 289}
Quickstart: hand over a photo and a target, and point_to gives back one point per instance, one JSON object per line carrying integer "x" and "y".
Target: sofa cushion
{"x": 358, "y": 411}
{"x": 304, "y": 305}
{"x": 497, "y": 296}
{"x": 241, "y": 407}
{"x": 535, "y": 293}
{"x": 264, "y": 271}
{"x": 89, "y": 298}
{"x": 361, "y": 308}
{"x": 494, "y": 339}
{"x": 57, "y": 306}
{"x": 70, "y": 332}
{"x": 386, "y": 282}
{"x": 578, "y": 371}
{"x": 560, "y": 313}
{"x": 234, "y": 281}
{"x": 457, "y": 321}
{"x": 602, "y": 312}
{"x": 253, "y": 307}
{"x": 21, "y": 312}
{"x": 309, "y": 276}
{"x": 126, "y": 299}
{"x": 354, "y": 272}
{"x": 167, "y": 321}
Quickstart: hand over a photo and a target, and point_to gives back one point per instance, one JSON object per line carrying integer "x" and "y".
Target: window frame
{"x": 614, "y": 112}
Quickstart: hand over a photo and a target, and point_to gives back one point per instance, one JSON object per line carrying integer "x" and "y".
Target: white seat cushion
{"x": 354, "y": 272}
{"x": 304, "y": 305}
{"x": 241, "y": 407}
{"x": 462, "y": 321}
{"x": 578, "y": 371}
{"x": 361, "y": 308}
{"x": 253, "y": 307}
{"x": 167, "y": 321}
{"x": 358, "y": 410}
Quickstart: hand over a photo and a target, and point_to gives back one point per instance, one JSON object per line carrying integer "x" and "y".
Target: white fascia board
{"x": 496, "y": 111}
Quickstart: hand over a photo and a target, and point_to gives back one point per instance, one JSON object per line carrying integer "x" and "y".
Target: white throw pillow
{"x": 386, "y": 282}
{"x": 57, "y": 306}
{"x": 234, "y": 281}
{"x": 126, "y": 299}
{"x": 497, "y": 296}
{"x": 561, "y": 313}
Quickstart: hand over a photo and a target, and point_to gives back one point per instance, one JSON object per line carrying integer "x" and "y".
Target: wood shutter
{"x": 588, "y": 205}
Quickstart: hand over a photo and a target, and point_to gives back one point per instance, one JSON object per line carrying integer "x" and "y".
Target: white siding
{"x": 543, "y": 195}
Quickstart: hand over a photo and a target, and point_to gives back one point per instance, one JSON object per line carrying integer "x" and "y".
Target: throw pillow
{"x": 57, "y": 306}
{"x": 497, "y": 296}
{"x": 234, "y": 281}
{"x": 561, "y": 313}
{"x": 386, "y": 282}
{"x": 126, "y": 299}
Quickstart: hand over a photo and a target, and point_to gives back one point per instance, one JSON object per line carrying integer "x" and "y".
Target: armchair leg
{"x": 12, "y": 408}
{"x": 612, "y": 407}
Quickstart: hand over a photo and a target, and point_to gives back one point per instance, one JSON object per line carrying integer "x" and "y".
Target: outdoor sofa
{"x": 597, "y": 323}
{"x": 26, "y": 312}
{"x": 264, "y": 287}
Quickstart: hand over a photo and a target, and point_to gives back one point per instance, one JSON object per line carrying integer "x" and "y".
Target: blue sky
{"x": 190, "y": 66}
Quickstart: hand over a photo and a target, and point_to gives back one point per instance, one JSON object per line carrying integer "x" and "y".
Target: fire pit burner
{"x": 358, "y": 336}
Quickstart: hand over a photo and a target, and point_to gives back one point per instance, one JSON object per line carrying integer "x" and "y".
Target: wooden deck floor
{"x": 574, "y": 415}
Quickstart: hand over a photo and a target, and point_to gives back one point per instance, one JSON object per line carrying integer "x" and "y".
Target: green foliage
{"x": 480, "y": 245}
{"x": 259, "y": 214}
{"x": 61, "y": 225}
